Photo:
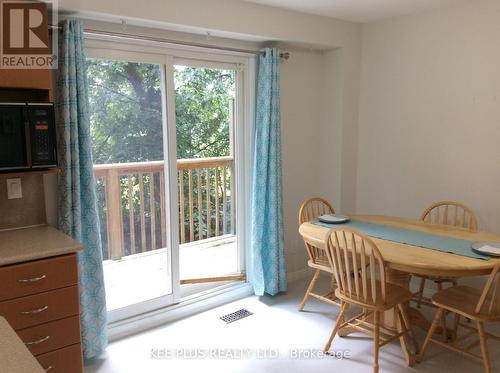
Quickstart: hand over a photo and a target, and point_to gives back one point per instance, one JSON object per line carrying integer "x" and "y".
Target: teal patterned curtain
{"x": 77, "y": 198}
{"x": 267, "y": 265}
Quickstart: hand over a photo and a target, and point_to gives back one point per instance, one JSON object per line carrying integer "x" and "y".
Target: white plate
{"x": 334, "y": 218}
{"x": 488, "y": 248}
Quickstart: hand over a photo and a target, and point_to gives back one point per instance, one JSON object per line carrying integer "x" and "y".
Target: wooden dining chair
{"x": 450, "y": 213}
{"x": 313, "y": 208}
{"x": 446, "y": 213}
{"x": 473, "y": 304}
{"x": 348, "y": 249}
{"x": 310, "y": 210}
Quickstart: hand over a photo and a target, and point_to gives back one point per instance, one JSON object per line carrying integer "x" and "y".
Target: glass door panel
{"x": 205, "y": 117}
{"x": 126, "y": 106}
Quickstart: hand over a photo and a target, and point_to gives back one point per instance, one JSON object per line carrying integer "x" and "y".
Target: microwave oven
{"x": 27, "y": 136}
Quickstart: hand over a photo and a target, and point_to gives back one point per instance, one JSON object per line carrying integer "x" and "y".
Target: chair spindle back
{"x": 314, "y": 207}
{"x": 356, "y": 260}
{"x": 310, "y": 210}
{"x": 450, "y": 213}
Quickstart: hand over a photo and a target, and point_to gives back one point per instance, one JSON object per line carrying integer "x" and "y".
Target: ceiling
{"x": 356, "y": 10}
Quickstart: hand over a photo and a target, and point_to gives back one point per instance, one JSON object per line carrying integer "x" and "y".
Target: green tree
{"x": 126, "y": 111}
{"x": 203, "y": 98}
{"x": 126, "y": 117}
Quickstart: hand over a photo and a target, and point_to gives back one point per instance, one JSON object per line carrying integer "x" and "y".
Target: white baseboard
{"x": 149, "y": 320}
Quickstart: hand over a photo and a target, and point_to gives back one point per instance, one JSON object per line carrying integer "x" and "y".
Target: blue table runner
{"x": 411, "y": 237}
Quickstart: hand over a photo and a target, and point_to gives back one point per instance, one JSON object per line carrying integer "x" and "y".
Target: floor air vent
{"x": 235, "y": 316}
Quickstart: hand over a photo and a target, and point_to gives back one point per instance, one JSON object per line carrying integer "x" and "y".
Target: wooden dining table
{"x": 403, "y": 259}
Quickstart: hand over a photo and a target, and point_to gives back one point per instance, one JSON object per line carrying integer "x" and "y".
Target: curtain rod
{"x": 284, "y": 55}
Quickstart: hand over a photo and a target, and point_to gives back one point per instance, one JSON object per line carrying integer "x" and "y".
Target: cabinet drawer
{"x": 52, "y": 335}
{"x": 19, "y": 280}
{"x": 65, "y": 360}
{"x": 40, "y": 308}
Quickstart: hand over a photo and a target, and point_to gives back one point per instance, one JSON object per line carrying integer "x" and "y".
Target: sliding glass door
{"x": 166, "y": 138}
{"x": 127, "y": 95}
{"x": 205, "y": 110}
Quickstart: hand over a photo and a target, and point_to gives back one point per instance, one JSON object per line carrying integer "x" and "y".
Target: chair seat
{"x": 395, "y": 295}
{"x": 463, "y": 300}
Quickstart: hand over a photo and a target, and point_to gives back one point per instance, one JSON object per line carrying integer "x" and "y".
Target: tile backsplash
{"x": 26, "y": 211}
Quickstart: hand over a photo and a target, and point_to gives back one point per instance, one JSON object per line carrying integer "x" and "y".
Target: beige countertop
{"x": 14, "y": 356}
{"x": 33, "y": 243}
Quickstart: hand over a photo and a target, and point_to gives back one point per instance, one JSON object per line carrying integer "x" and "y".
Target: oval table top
{"x": 414, "y": 259}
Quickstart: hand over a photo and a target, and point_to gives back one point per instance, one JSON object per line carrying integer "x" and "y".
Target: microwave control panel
{"x": 41, "y": 124}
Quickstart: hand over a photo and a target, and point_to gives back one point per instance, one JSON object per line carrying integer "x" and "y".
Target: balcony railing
{"x": 131, "y": 203}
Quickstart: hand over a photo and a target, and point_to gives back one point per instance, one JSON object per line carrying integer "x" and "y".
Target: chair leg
{"x": 484, "y": 346}
{"x": 376, "y": 340}
{"x": 430, "y": 333}
{"x": 443, "y": 320}
{"x": 310, "y": 288}
{"x": 407, "y": 324}
{"x": 340, "y": 320}
{"x": 401, "y": 328}
{"x": 421, "y": 292}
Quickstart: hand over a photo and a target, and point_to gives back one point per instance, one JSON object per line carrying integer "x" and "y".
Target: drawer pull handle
{"x": 48, "y": 368}
{"x": 34, "y": 312}
{"x": 37, "y": 342}
{"x": 34, "y": 279}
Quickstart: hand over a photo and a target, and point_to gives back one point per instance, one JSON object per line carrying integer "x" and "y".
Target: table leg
{"x": 415, "y": 315}
{"x": 391, "y": 319}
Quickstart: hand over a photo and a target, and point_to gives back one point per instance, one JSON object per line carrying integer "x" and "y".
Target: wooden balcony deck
{"x": 145, "y": 276}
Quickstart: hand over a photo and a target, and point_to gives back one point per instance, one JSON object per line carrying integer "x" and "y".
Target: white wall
{"x": 319, "y": 153}
{"x": 429, "y": 117}
{"x": 301, "y": 107}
